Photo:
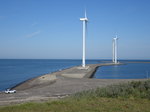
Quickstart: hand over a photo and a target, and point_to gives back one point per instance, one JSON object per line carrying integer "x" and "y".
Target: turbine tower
{"x": 85, "y": 20}
{"x": 115, "y": 50}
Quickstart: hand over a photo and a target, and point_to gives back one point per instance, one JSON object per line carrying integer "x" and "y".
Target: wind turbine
{"x": 115, "y": 50}
{"x": 85, "y": 20}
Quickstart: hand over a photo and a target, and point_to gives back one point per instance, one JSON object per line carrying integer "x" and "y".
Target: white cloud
{"x": 34, "y": 34}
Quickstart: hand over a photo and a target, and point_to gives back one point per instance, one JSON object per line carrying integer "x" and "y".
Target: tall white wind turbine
{"x": 115, "y": 50}
{"x": 85, "y": 20}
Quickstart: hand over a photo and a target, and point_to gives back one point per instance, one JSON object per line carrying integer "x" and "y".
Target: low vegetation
{"x": 130, "y": 97}
{"x": 135, "y": 89}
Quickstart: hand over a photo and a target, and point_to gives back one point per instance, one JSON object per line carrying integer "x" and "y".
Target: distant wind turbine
{"x": 85, "y": 20}
{"x": 114, "y": 59}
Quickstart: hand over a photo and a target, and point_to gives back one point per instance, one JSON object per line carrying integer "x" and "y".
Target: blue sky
{"x": 51, "y": 29}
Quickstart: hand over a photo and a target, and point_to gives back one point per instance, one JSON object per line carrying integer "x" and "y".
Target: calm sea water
{"x": 126, "y": 71}
{"x": 14, "y": 71}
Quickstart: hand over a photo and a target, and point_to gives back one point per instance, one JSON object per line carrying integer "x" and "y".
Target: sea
{"x": 15, "y": 71}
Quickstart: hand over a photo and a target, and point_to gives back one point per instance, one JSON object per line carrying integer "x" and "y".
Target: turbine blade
{"x": 85, "y": 14}
{"x": 117, "y": 37}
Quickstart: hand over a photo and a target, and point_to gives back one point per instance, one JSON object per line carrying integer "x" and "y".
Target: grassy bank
{"x": 135, "y": 89}
{"x": 131, "y": 97}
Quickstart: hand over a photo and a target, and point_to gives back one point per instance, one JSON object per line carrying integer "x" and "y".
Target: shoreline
{"x": 90, "y": 74}
{"x": 86, "y": 76}
{"x": 105, "y": 62}
{"x": 30, "y": 79}
{"x": 59, "y": 84}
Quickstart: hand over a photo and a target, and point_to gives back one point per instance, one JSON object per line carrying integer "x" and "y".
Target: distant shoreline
{"x": 137, "y": 62}
{"x": 142, "y": 61}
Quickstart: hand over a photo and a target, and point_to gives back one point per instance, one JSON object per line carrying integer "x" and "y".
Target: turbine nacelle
{"x": 116, "y": 38}
{"x": 84, "y": 19}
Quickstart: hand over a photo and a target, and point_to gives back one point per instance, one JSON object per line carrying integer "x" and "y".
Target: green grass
{"x": 84, "y": 105}
{"x": 131, "y": 97}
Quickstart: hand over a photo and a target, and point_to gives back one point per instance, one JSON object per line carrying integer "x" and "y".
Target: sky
{"x": 51, "y": 29}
